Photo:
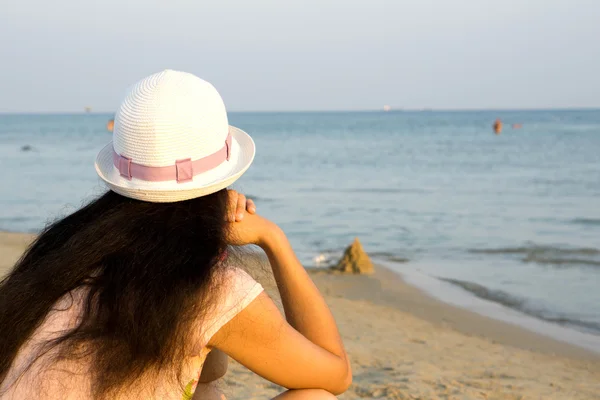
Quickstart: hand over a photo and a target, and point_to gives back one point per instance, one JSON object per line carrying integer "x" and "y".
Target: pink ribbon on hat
{"x": 183, "y": 170}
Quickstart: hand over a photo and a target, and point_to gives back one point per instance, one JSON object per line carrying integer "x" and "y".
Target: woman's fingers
{"x": 232, "y": 206}
{"x": 238, "y": 204}
{"x": 250, "y": 207}
{"x": 241, "y": 207}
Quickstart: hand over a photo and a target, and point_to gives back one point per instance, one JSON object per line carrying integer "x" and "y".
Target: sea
{"x": 507, "y": 225}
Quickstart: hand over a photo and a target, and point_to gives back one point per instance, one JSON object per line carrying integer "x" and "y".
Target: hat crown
{"x": 170, "y": 116}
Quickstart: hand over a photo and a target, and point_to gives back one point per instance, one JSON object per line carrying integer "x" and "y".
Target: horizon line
{"x": 371, "y": 110}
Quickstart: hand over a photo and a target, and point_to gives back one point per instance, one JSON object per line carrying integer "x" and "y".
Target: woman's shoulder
{"x": 235, "y": 280}
{"x": 236, "y": 290}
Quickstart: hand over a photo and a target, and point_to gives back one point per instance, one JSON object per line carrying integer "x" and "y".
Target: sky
{"x": 273, "y": 55}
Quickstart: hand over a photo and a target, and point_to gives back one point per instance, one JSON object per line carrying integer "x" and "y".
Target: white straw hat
{"x": 172, "y": 141}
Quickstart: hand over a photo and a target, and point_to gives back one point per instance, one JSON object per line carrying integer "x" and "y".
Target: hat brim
{"x": 242, "y": 155}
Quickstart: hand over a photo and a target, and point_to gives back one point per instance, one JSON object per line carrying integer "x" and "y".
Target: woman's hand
{"x": 245, "y": 226}
{"x": 238, "y": 206}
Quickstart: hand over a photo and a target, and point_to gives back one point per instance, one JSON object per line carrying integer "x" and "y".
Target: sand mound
{"x": 355, "y": 260}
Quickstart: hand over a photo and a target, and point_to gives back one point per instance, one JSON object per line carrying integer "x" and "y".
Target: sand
{"x": 404, "y": 344}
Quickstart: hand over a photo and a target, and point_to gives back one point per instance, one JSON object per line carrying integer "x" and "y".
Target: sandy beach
{"x": 406, "y": 345}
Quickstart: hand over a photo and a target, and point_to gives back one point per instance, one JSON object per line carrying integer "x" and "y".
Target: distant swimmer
{"x": 110, "y": 125}
{"x": 517, "y": 126}
{"x": 498, "y": 126}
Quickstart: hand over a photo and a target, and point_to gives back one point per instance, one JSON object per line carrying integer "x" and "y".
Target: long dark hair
{"x": 149, "y": 269}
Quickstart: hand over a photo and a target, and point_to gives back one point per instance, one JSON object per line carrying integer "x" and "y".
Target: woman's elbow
{"x": 343, "y": 383}
{"x": 340, "y": 389}
{"x": 348, "y": 380}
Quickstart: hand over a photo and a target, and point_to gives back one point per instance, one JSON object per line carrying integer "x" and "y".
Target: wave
{"x": 527, "y": 250}
{"x": 521, "y": 304}
{"x": 389, "y": 256}
{"x": 561, "y": 261}
{"x": 383, "y": 190}
{"x": 15, "y": 219}
{"x": 586, "y": 221}
{"x": 548, "y": 255}
{"x": 481, "y": 291}
{"x": 363, "y": 190}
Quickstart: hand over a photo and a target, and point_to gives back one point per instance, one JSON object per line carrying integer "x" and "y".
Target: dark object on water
{"x": 355, "y": 260}
{"x": 497, "y": 126}
{"x": 26, "y": 148}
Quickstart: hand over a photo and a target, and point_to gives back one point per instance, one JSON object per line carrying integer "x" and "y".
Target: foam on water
{"x": 548, "y": 255}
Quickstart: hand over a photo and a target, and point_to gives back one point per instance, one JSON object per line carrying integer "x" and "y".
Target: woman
{"x": 134, "y": 296}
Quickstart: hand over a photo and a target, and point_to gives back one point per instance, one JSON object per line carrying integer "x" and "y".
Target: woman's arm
{"x": 303, "y": 351}
{"x": 304, "y": 306}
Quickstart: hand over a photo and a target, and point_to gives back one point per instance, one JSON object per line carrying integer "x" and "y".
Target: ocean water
{"x": 514, "y": 218}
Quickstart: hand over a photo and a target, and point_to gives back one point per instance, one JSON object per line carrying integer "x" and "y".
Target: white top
{"x": 68, "y": 381}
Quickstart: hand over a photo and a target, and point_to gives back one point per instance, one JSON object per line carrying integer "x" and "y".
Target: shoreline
{"x": 404, "y": 344}
{"x": 389, "y": 287}
{"x": 460, "y": 298}
{"x": 406, "y": 292}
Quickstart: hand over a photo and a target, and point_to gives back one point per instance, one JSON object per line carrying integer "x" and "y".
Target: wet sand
{"x": 405, "y": 344}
